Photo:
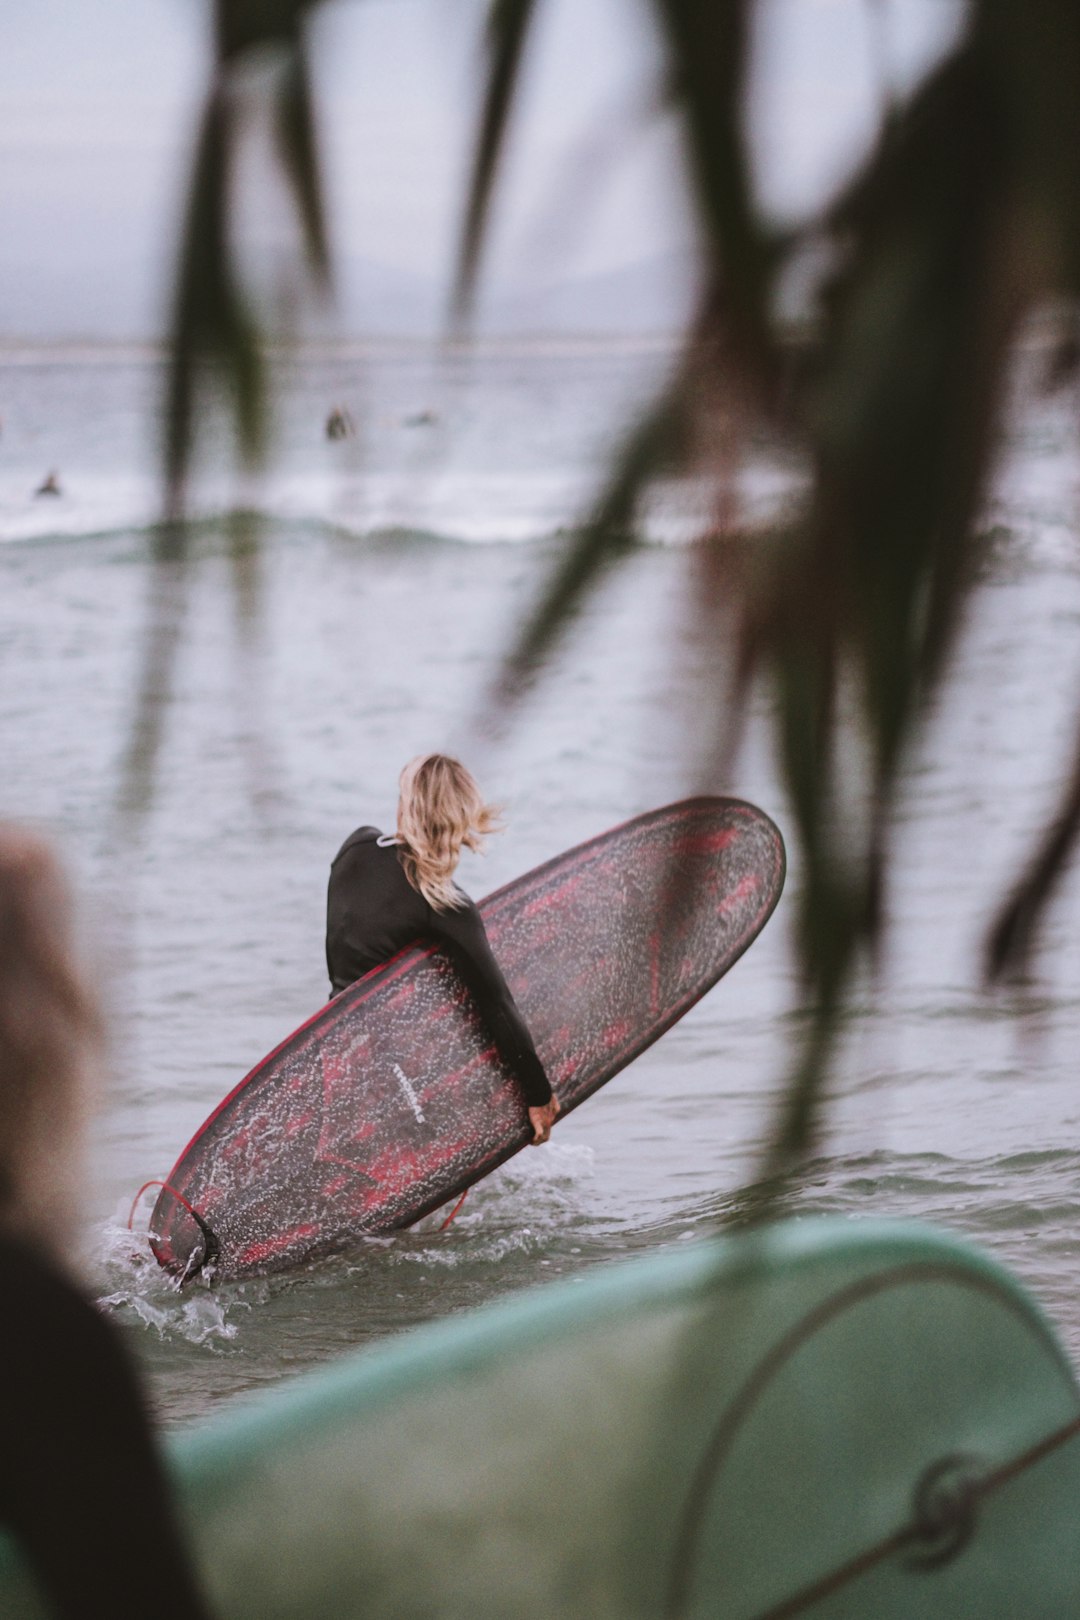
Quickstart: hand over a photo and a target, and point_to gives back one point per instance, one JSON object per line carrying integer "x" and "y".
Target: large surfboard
{"x": 828, "y": 1420}
{"x": 392, "y": 1099}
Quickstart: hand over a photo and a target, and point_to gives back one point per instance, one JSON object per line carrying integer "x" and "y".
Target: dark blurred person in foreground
{"x": 81, "y": 1485}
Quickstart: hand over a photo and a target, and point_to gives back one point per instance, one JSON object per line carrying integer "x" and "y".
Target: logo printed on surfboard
{"x": 410, "y": 1095}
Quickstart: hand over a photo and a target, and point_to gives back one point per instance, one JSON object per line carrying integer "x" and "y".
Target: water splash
{"x": 138, "y": 1292}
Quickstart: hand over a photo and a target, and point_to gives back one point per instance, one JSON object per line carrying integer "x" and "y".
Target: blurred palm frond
{"x": 508, "y": 33}
{"x": 961, "y": 224}
{"x": 217, "y": 343}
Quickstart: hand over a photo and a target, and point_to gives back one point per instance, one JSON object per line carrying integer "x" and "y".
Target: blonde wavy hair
{"x": 50, "y": 1044}
{"x": 441, "y": 811}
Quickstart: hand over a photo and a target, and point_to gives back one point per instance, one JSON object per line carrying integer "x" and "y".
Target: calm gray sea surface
{"x": 395, "y": 568}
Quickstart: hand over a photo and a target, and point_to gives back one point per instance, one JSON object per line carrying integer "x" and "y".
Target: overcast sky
{"x": 99, "y": 100}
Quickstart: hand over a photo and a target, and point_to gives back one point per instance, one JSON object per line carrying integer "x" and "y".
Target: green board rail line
{"x": 833, "y": 1418}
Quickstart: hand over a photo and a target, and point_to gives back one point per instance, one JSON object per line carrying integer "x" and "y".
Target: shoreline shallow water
{"x": 206, "y": 922}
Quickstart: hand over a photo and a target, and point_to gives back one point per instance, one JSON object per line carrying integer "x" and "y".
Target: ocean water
{"x": 395, "y": 566}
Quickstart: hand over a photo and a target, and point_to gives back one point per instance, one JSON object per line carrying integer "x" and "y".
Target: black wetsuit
{"x": 82, "y": 1488}
{"x": 373, "y": 911}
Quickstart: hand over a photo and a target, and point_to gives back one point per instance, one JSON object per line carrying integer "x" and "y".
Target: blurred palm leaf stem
{"x": 961, "y": 224}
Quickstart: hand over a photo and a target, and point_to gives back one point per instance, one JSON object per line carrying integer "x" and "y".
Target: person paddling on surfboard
{"x": 387, "y": 891}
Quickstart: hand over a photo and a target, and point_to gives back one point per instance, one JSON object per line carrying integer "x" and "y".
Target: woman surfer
{"x": 386, "y": 892}
{"x": 82, "y": 1488}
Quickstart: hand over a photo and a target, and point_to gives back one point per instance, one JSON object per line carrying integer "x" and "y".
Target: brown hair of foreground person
{"x": 82, "y": 1488}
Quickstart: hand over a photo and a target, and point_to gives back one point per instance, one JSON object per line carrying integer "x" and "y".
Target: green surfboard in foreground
{"x": 825, "y": 1418}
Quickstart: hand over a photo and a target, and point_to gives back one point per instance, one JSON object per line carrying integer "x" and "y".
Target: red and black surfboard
{"x": 392, "y": 1100}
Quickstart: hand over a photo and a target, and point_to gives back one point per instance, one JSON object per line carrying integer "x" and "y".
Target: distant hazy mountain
{"x": 50, "y": 300}
{"x": 654, "y": 296}
{"x": 118, "y": 299}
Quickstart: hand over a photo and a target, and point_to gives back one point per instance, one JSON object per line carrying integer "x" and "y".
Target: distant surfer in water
{"x": 386, "y": 891}
{"x": 82, "y": 1488}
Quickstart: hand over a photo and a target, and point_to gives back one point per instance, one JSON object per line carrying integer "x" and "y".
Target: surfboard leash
{"x": 211, "y": 1246}
{"x": 454, "y": 1211}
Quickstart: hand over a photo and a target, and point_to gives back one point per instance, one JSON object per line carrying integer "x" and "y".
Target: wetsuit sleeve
{"x": 463, "y": 936}
{"x": 81, "y": 1484}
